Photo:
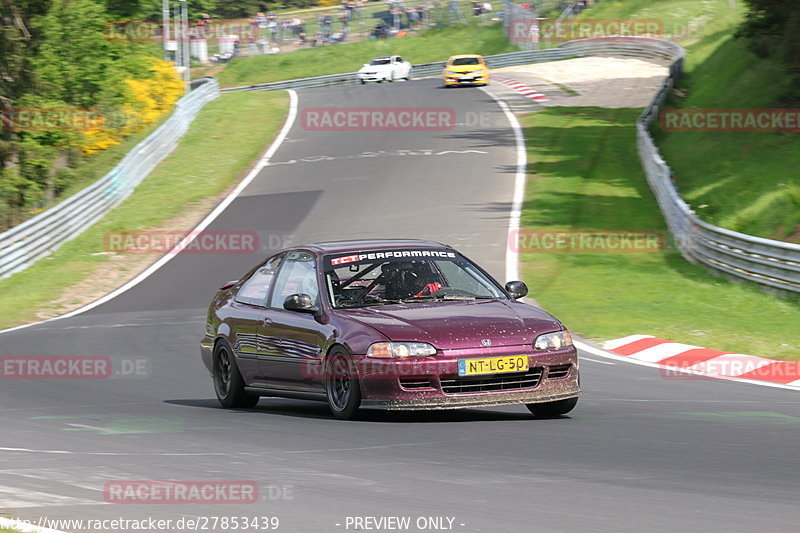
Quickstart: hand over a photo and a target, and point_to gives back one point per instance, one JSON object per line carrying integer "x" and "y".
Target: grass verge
{"x": 744, "y": 181}
{"x": 430, "y": 45}
{"x": 584, "y": 174}
{"x": 204, "y": 165}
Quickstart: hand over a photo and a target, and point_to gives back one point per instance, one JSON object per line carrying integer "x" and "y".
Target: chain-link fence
{"x": 530, "y": 25}
{"x": 324, "y": 27}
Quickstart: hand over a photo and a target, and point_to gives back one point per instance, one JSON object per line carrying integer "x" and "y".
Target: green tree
{"x": 73, "y": 60}
{"x": 773, "y": 29}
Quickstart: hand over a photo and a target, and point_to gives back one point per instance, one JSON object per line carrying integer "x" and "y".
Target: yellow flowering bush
{"x": 149, "y": 99}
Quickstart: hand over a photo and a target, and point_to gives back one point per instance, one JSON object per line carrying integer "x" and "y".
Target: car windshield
{"x": 404, "y": 276}
{"x": 380, "y": 61}
{"x": 465, "y": 61}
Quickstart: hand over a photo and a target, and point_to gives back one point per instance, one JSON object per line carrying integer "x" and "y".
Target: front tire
{"x": 552, "y": 409}
{"x": 342, "y": 387}
{"x": 228, "y": 381}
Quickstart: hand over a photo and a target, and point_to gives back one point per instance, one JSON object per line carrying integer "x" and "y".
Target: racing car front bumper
{"x": 436, "y": 383}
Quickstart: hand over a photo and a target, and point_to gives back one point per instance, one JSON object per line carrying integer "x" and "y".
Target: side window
{"x": 298, "y": 276}
{"x": 254, "y": 291}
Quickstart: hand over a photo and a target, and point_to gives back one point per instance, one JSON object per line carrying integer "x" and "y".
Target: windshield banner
{"x": 391, "y": 254}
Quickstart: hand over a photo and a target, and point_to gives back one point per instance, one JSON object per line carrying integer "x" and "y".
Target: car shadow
{"x": 459, "y": 86}
{"x": 318, "y": 410}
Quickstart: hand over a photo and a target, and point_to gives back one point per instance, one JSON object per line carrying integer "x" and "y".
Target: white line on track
{"x": 597, "y": 361}
{"x": 264, "y": 161}
{"x": 512, "y": 258}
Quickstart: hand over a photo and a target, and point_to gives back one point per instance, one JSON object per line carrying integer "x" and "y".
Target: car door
{"x": 397, "y": 67}
{"x": 294, "y": 361}
{"x": 402, "y": 67}
{"x": 247, "y": 320}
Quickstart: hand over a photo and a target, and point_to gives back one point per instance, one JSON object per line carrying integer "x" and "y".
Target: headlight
{"x": 553, "y": 341}
{"x": 389, "y": 350}
{"x": 479, "y": 71}
{"x": 450, "y": 73}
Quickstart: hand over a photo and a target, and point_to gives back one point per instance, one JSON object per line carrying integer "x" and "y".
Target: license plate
{"x": 492, "y": 365}
{"x": 467, "y": 79}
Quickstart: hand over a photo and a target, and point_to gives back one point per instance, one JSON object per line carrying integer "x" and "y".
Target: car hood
{"x": 458, "y": 325}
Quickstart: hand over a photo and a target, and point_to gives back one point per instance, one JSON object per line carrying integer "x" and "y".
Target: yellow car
{"x": 466, "y": 69}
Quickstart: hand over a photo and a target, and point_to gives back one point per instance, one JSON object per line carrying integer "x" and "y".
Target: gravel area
{"x": 598, "y": 81}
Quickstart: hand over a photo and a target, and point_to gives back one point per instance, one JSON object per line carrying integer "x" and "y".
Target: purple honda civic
{"x": 391, "y": 324}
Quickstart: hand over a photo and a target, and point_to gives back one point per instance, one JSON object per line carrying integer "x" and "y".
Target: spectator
{"x": 486, "y": 8}
{"x": 261, "y": 23}
{"x": 325, "y": 23}
{"x": 358, "y": 6}
{"x": 476, "y": 8}
{"x": 272, "y": 26}
{"x": 397, "y": 13}
{"x": 413, "y": 17}
{"x": 202, "y": 27}
{"x": 380, "y": 31}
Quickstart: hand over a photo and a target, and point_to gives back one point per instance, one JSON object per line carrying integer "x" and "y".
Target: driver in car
{"x": 409, "y": 279}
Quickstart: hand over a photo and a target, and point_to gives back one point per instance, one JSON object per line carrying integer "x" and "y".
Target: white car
{"x": 387, "y": 68}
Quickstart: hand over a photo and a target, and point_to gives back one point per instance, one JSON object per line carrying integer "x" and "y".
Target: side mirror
{"x": 516, "y": 289}
{"x": 300, "y": 303}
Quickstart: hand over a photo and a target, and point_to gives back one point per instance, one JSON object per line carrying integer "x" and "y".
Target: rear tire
{"x": 228, "y": 382}
{"x": 552, "y": 409}
{"x": 342, "y": 387}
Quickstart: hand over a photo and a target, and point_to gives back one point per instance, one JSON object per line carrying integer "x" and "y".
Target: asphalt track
{"x": 640, "y": 453}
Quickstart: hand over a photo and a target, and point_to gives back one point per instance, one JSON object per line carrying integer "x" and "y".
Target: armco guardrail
{"x": 39, "y": 236}
{"x": 769, "y": 263}
{"x": 636, "y": 47}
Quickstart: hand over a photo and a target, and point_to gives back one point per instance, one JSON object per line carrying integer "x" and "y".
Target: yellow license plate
{"x": 493, "y": 365}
